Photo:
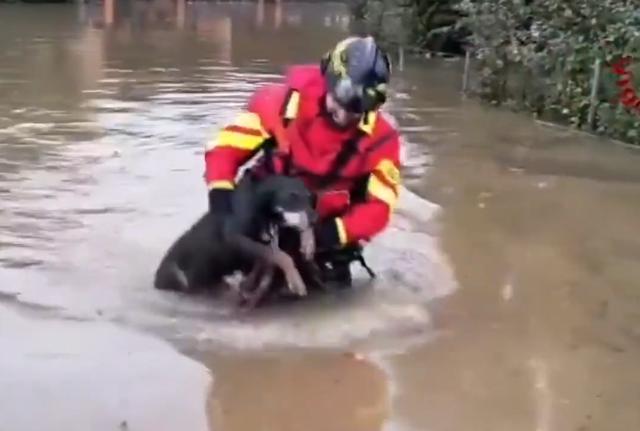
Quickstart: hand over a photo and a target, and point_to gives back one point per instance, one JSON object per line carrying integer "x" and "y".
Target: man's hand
{"x": 326, "y": 235}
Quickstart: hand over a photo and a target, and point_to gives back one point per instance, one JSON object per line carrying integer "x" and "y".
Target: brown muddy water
{"x": 508, "y": 294}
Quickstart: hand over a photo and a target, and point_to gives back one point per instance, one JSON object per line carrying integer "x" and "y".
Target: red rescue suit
{"x": 360, "y": 196}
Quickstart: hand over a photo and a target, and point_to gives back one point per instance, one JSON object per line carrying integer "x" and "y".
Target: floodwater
{"x": 507, "y": 297}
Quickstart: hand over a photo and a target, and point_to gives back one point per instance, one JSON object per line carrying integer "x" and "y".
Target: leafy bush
{"x": 405, "y": 22}
{"x": 540, "y": 56}
{"x": 537, "y": 55}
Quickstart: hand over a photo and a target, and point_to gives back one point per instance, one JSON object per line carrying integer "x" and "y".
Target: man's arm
{"x": 234, "y": 145}
{"x": 365, "y": 220}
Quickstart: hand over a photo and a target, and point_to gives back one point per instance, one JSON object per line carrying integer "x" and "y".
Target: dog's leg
{"x": 263, "y": 286}
{"x": 243, "y": 291}
{"x": 311, "y": 275}
{"x": 307, "y": 244}
{"x": 306, "y": 261}
{"x": 181, "y": 268}
{"x": 275, "y": 258}
{"x": 170, "y": 277}
{"x": 263, "y": 281}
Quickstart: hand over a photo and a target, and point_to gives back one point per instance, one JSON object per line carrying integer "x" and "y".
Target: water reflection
{"x": 539, "y": 225}
{"x": 115, "y": 116}
{"x": 105, "y": 108}
{"x": 103, "y": 113}
{"x": 182, "y": 14}
{"x": 82, "y": 84}
{"x": 314, "y": 393}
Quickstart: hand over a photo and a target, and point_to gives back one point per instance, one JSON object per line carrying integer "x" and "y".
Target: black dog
{"x": 263, "y": 214}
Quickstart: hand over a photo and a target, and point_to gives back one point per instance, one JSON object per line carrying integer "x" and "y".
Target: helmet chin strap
{"x": 350, "y": 124}
{"x": 365, "y": 118}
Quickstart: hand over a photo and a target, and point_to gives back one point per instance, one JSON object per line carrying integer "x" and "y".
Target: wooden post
{"x": 260, "y": 13}
{"x": 82, "y": 11}
{"x": 108, "y": 11}
{"x": 277, "y": 19}
{"x": 465, "y": 74}
{"x": 594, "y": 93}
{"x": 180, "y": 13}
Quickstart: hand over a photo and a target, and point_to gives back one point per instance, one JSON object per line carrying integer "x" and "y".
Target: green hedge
{"x": 535, "y": 55}
{"x": 405, "y": 22}
{"x": 541, "y": 57}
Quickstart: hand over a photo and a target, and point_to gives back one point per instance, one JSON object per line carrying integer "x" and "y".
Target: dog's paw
{"x": 248, "y": 302}
{"x": 307, "y": 244}
{"x": 294, "y": 280}
{"x": 295, "y": 283}
{"x": 318, "y": 284}
{"x": 172, "y": 278}
{"x": 181, "y": 278}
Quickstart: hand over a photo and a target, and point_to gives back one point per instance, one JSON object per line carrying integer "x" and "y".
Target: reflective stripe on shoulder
{"x": 291, "y": 105}
{"x": 368, "y": 122}
{"x": 288, "y": 112}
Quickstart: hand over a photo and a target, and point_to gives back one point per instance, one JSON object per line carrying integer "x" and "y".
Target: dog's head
{"x": 288, "y": 202}
{"x": 291, "y": 214}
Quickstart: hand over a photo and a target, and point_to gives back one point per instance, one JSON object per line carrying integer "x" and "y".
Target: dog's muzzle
{"x": 301, "y": 222}
{"x": 296, "y": 219}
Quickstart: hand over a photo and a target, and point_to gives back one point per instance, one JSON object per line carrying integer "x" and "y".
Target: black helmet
{"x": 357, "y": 72}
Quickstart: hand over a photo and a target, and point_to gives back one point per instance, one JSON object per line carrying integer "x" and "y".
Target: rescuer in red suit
{"x": 322, "y": 124}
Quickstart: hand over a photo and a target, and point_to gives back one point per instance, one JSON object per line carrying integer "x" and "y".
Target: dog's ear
{"x": 264, "y": 194}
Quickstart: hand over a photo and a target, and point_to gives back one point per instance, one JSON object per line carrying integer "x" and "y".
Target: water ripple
{"x": 99, "y": 189}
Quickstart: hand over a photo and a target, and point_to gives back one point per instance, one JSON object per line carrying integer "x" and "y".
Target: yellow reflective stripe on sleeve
{"x": 342, "y": 231}
{"x": 291, "y": 109}
{"x": 245, "y": 132}
{"x": 221, "y": 184}
{"x": 389, "y": 171}
{"x": 250, "y": 120}
{"x": 382, "y": 191}
{"x": 228, "y": 138}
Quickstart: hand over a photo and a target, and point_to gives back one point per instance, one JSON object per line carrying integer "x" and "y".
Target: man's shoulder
{"x": 386, "y": 129}
{"x": 268, "y": 96}
{"x": 296, "y": 76}
{"x": 268, "y": 99}
{"x": 385, "y": 141}
{"x": 302, "y": 75}
{"x": 387, "y": 124}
